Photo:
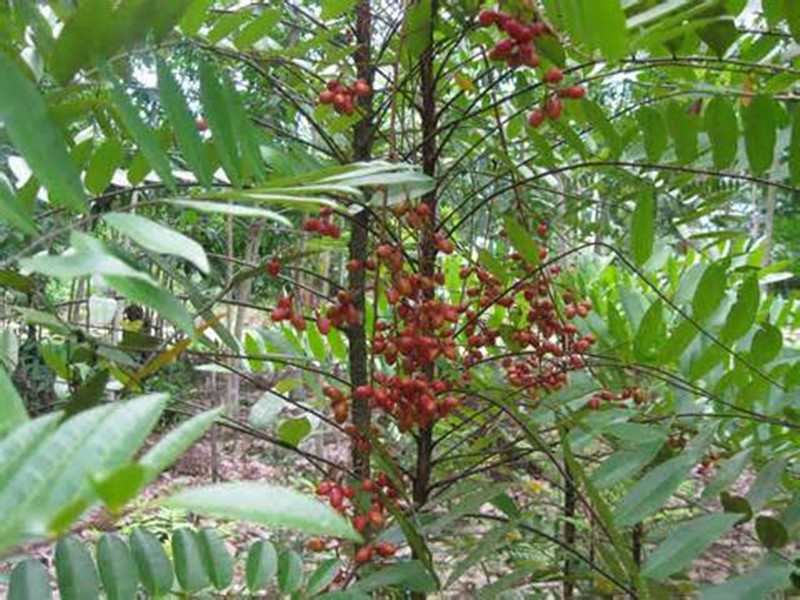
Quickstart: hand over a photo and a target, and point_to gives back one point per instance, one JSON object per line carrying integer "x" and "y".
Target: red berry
{"x": 553, "y": 75}
{"x": 316, "y": 545}
{"x": 537, "y": 118}
{"x": 367, "y": 485}
{"x": 361, "y": 88}
{"x": 575, "y": 92}
{"x": 593, "y": 403}
{"x": 541, "y": 229}
{"x": 323, "y": 325}
{"x": 326, "y": 97}
{"x": 274, "y": 267}
{"x": 553, "y": 108}
{"x": 487, "y": 18}
{"x": 364, "y": 554}
{"x": 385, "y": 549}
{"x": 504, "y": 47}
{"x": 360, "y": 523}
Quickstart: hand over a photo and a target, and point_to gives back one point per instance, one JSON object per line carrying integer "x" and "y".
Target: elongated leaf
{"x": 323, "y": 576}
{"x": 522, "y": 241}
{"x": 236, "y": 210}
{"x": 158, "y": 238}
{"x": 12, "y": 409}
{"x": 141, "y": 133}
{"x": 28, "y": 125}
{"x": 623, "y": 464}
{"x": 160, "y": 300}
{"x": 170, "y": 447}
{"x": 20, "y": 443}
{"x": 765, "y": 483}
{"x": 290, "y": 571}
{"x": 120, "y": 486}
{"x": 599, "y": 121}
{"x": 262, "y": 565}
{"x": 686, "y": 543}
{"x": 103, "y": 164}
{"x": 189, "y": 566}
{"x": 117, "y": 569}
{"x": 29, "y": 581}
{"x": 643, "y": 226}
{"x": 654, "y": 130}
{"x": 760, "y": 133}
{"x": 710, "y": 291}
{"x": 757, "y": 583}
{"x": 683, "y": 130}
{"x": 489, "y": 543}
{"x": 152, "y": 565}
{"x": 184, "y": 125}
{"x": 650, "y": 335}
{"x": 743, "y": 312}
{"x": 12, "y": 209}
{"x": 75, "y": 571}
{"x": 728, "y": 472}
{"x": 218, "y": 562}
{"x": 294, "y": 431}
{"x": 220, "y": 121}
{"x": 792, "y": 12}
{"x": 266, "y": 504}
{"x": 410, "y": 575}
{"x": 771, "y": 532}
{"x": 722, "y": 127}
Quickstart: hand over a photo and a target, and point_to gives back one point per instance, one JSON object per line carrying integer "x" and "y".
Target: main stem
{"x": 363, "y": 136}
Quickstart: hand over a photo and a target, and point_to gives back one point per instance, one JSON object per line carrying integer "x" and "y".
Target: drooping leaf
{"x": 643, "y": 227}
{"x": 743, "y": 312}
{"x": 32, "y": 132}
{"x": 710, "y": 291}
{"x": 771, "y": 532}
{"x": 29, "y": 581}
{"x": 189, "y": 566}
{"x": 117, "y": 569}
{"x": 683, "y": 130}
{"x": 12, "y": 408}
{"x": 220, "y": 121}
{"x": 722, "y": 126}
{"x": 768, "y": 478}
{"x": 184, "y": 125}
{"x": 290, "y": 571}
{"x": 760, "y": 132}
{"x": 409, "y": 575}
{"x": 218, "y": 562}
{"x": 649, "y": 336}
{"x": 756, "y": 583}
{"x": 728, "y": 472}
{"x": 120, "y": 486}
{"x": 103, "y": 165}
{"x": 160, "y": 300}
{"x": 323, "y": 576}
{"x": 522, "y": 241}
{"x": 294, "y": 431}
{"x": 152, "y": 564}
{"x": 262, "y": 565}
{"x": 654, "y": 130}
{"x": 158, "y": 238}
{"x": 265, "y": 504}
{"x": 687, "y": 542}
{"x": 75, "y": 570}
{"x": 12, "y": 209}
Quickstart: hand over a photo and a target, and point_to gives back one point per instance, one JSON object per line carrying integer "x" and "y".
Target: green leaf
{"x": 649, "y": 338}
{"x": 760, "y": 132}
{"x": 265, "y": 504}
{"x": 290, "y": 571}
{"x": 103, "y": 164}
{"x": 30, "y": 581}
{"x": 766, "y": 344}
{"x": 258, "y": 29}
{"x": 12, "y": 408}
{"x": 728, "y": 472}
{"x": 624, "y": 463}
{"x": 522, "y": 241}
{"x": 152, "y": 565}
{"x": 605, "y": 26}
{"x": 265, "y": 411}
{"x": 335, "y": 8}
{"x": 75, "y": 570}
{"x": 120, "y": 486}
{"x": 189, "y": 567}
{"x": 170, "y": 447}
{"x": 756, "y": 583}
{"x": 737, "y": 505}
{"x": 743, "y": 312}
{"x": 236, "y": 210}
{"x": 21, "y": 442}
{"x": 184, "y": 124}
{"x": 417, "y": 26}
{"x": 654, "y": 130}
{"x": 160, "y": 300}
{"x": 194, "y": 16}
{"x": 719, "y": 121}
{"x": 294, "y": 431}
{"x": 32, "y": 132}
{"x": 323, "y": 576}
{"x": 12, "y": 209}
{"x": 88, "y": 395}
{"x": 643, "y": 227}
{"x": 490, "y": 542}
{"x": 599, "y": 121}
{"x": 117, "y": 569}
{"x": 89, "y": 33}
{"x": 220, "y": 121}
{"x": 683, "y": 130}
{"x": 794, "y": 148}
{"x": 710, "y": 291}
{"x": 142, "y": 133}
{"x": 791, "y": 11}
{"x": 218, "y": 562}
{"x": 262, "y": 564}
{"x": 157, "y": 238}
{"x": 653, "y": 490}
{"x": 766, "y": 483}
{"x": 771, "y": 532}
{"x": 409, "y": 575}
{"x": 688, "y": 541}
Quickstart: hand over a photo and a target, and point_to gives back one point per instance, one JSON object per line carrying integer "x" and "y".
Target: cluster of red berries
{"x": 274, "y": 266}
{"x": 518, "y": 48}
{"x": 607, "y": 396}
{"x": 338, "y": 403}
{"x": 284, "y": 311}
{"x": 341, "y": 315}
{"x": 365, "y": 507}
{"x": 323, "y": 225}
{"x": 552, "y": 106}
{"x": 343, "y": 97}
